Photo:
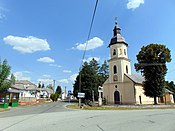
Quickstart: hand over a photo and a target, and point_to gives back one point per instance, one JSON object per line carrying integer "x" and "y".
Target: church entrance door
{"x": 116, "y": 97}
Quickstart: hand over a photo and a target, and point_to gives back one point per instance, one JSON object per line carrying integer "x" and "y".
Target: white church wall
{"x": 140, "y": 95}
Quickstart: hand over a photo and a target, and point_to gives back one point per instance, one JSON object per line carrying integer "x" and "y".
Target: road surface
{"x": 55, "y": 117}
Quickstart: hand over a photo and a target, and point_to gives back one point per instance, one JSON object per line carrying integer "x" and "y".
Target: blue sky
{"x": 43, "y": 40}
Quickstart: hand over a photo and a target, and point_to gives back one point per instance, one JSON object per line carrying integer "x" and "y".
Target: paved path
{"x": 61, "y": 119}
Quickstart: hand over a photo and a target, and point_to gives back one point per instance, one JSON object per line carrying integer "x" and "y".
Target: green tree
{"x": 89, "y": 78}
{"x": 59, "y": 90}
{"x": 4, "y": 73}
{"x": 39, "y": 85}
{"x": 42, "y": 85}
{"x": 152, "y": 61}
{"x": 13, "y": 79}
{"x": 103, "y": 73}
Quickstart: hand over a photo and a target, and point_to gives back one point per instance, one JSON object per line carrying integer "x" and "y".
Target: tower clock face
{"x": 115, "y": 78}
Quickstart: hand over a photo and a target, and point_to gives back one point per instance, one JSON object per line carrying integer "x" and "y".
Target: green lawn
{"x": 75, "y": 106}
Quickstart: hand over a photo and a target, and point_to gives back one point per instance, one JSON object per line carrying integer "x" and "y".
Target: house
{"x": 123, "y": 87}
{"x": 46, "y": 92}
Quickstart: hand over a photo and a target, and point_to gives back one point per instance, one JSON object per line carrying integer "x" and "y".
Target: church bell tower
{"x": 119, "y": 64}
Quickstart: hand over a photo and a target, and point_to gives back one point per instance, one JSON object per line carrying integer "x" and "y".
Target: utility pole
{"x": 54, "y": 85}
{"x": 80, "y": 88}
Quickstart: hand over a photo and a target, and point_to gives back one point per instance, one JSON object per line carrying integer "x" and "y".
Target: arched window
{"x": 115, "y": 69}
{"x": 114, "y": 52}
{"x": 127, "y": 69}
{"x": 125, "y": 51}
{"x": 120, "y": 51}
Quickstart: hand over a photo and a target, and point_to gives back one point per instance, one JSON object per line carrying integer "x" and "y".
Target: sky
{"x": 43, "y": 40}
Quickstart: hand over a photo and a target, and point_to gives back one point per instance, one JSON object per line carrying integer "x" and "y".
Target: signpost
{"x": 80, "y": 95}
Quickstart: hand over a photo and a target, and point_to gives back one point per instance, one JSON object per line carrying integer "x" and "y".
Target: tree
{"x": 42, "y": 85}
{"x": 4, "y": 73}
{"x": 103, "y": 73}
{"x": 58, "y": 90}
{"x": 39, "y": 85}
{"x": 89, "y": 79}
{"x": 152, "y": 64}
{"x": 13, "y": 79}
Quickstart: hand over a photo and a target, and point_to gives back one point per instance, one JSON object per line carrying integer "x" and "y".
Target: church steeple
{"x": 117, "y": 38}
{"x": 119, "y": 63}
{"x": 116, "y": 29}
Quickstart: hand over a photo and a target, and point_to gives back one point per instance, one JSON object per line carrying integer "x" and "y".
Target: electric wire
{"x": 89, "y": 33}
{"x": 88, "y": 37}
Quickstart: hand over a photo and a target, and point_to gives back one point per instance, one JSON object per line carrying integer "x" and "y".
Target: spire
{"x": 117, "y": 38}
{"x": 116, "y": 29}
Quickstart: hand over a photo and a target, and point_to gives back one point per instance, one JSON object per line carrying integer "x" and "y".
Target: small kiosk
{"x": 4, "y": 100}
{"x": 9, "y": 98}
{"x": 13, "y": 97}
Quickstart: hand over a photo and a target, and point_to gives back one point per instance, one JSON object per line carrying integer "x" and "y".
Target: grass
{"x": 75, "y": 106}
{"x": 3, "y": 109}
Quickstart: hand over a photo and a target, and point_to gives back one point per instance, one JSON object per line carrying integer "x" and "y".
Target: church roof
{"x": 136, "y": 78}
{"x": 117, "y": 38}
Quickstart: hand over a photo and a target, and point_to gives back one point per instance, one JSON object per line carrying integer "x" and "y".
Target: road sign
{"x": 81, "y": 95}
{"x": 69, "y": 91}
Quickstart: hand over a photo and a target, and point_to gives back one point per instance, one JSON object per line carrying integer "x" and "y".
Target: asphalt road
{"x": 55, "y": 117}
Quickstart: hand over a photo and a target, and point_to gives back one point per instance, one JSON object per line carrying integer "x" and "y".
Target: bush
{"x": 54, "y": 97}
{"x": 104, "y": 101}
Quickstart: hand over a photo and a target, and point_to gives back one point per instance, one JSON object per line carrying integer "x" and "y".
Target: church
{"x": 123, "y": 87}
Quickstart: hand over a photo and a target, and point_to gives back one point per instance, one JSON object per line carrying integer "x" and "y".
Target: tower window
{"x": 120, "y": 51}
{"x": 115, "y": 69}
{"x": 127, "y": 69}
{"x": 114, "y": 52}
{"x": 125, "y": 51}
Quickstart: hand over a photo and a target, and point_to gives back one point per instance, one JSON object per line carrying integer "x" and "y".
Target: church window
{"x": 127, "y": 69}
{"x": 115, "y": 69}
{"x": 125, "y": 51}
{"x": 116, "y": 86}
{"x": 114, "y": 52}
{"x": 115, "y": 78}
{"x": 120, "y": 51}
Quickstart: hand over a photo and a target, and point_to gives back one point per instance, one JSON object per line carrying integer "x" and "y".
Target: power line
{"x": 89, "y": 33}
{"x": 88, "y": 37}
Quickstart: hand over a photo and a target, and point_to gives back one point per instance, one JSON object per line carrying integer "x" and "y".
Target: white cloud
{"x": 21, "y": 76}
{"x": 28, "y": 44}
{"x": 46, "y": 60}
{"x": 65, "y": 81}
{"x": 73, "y": 77}
{"x": 90, "y": 58}
{"x": 91, "y": 44}
{"x": 133, "y": 4}
{"x": 2, "y": 15}
{"x": 46, "y": 81}
{"x": 67, "y": 71}
{"x": 55, "y": 65}
{"x": 46, "y": 76}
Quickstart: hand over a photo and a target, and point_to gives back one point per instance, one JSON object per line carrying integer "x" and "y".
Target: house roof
{"x": 50, "y": 91}
{"x": 136, "y": 78}
{"x": 168, "y": 91}
{"x": 24, "y": 85}
{"x": 13, "y": 91}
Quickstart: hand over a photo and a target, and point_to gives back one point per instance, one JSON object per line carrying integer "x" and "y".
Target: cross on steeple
{"x": 116, "y": 28}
